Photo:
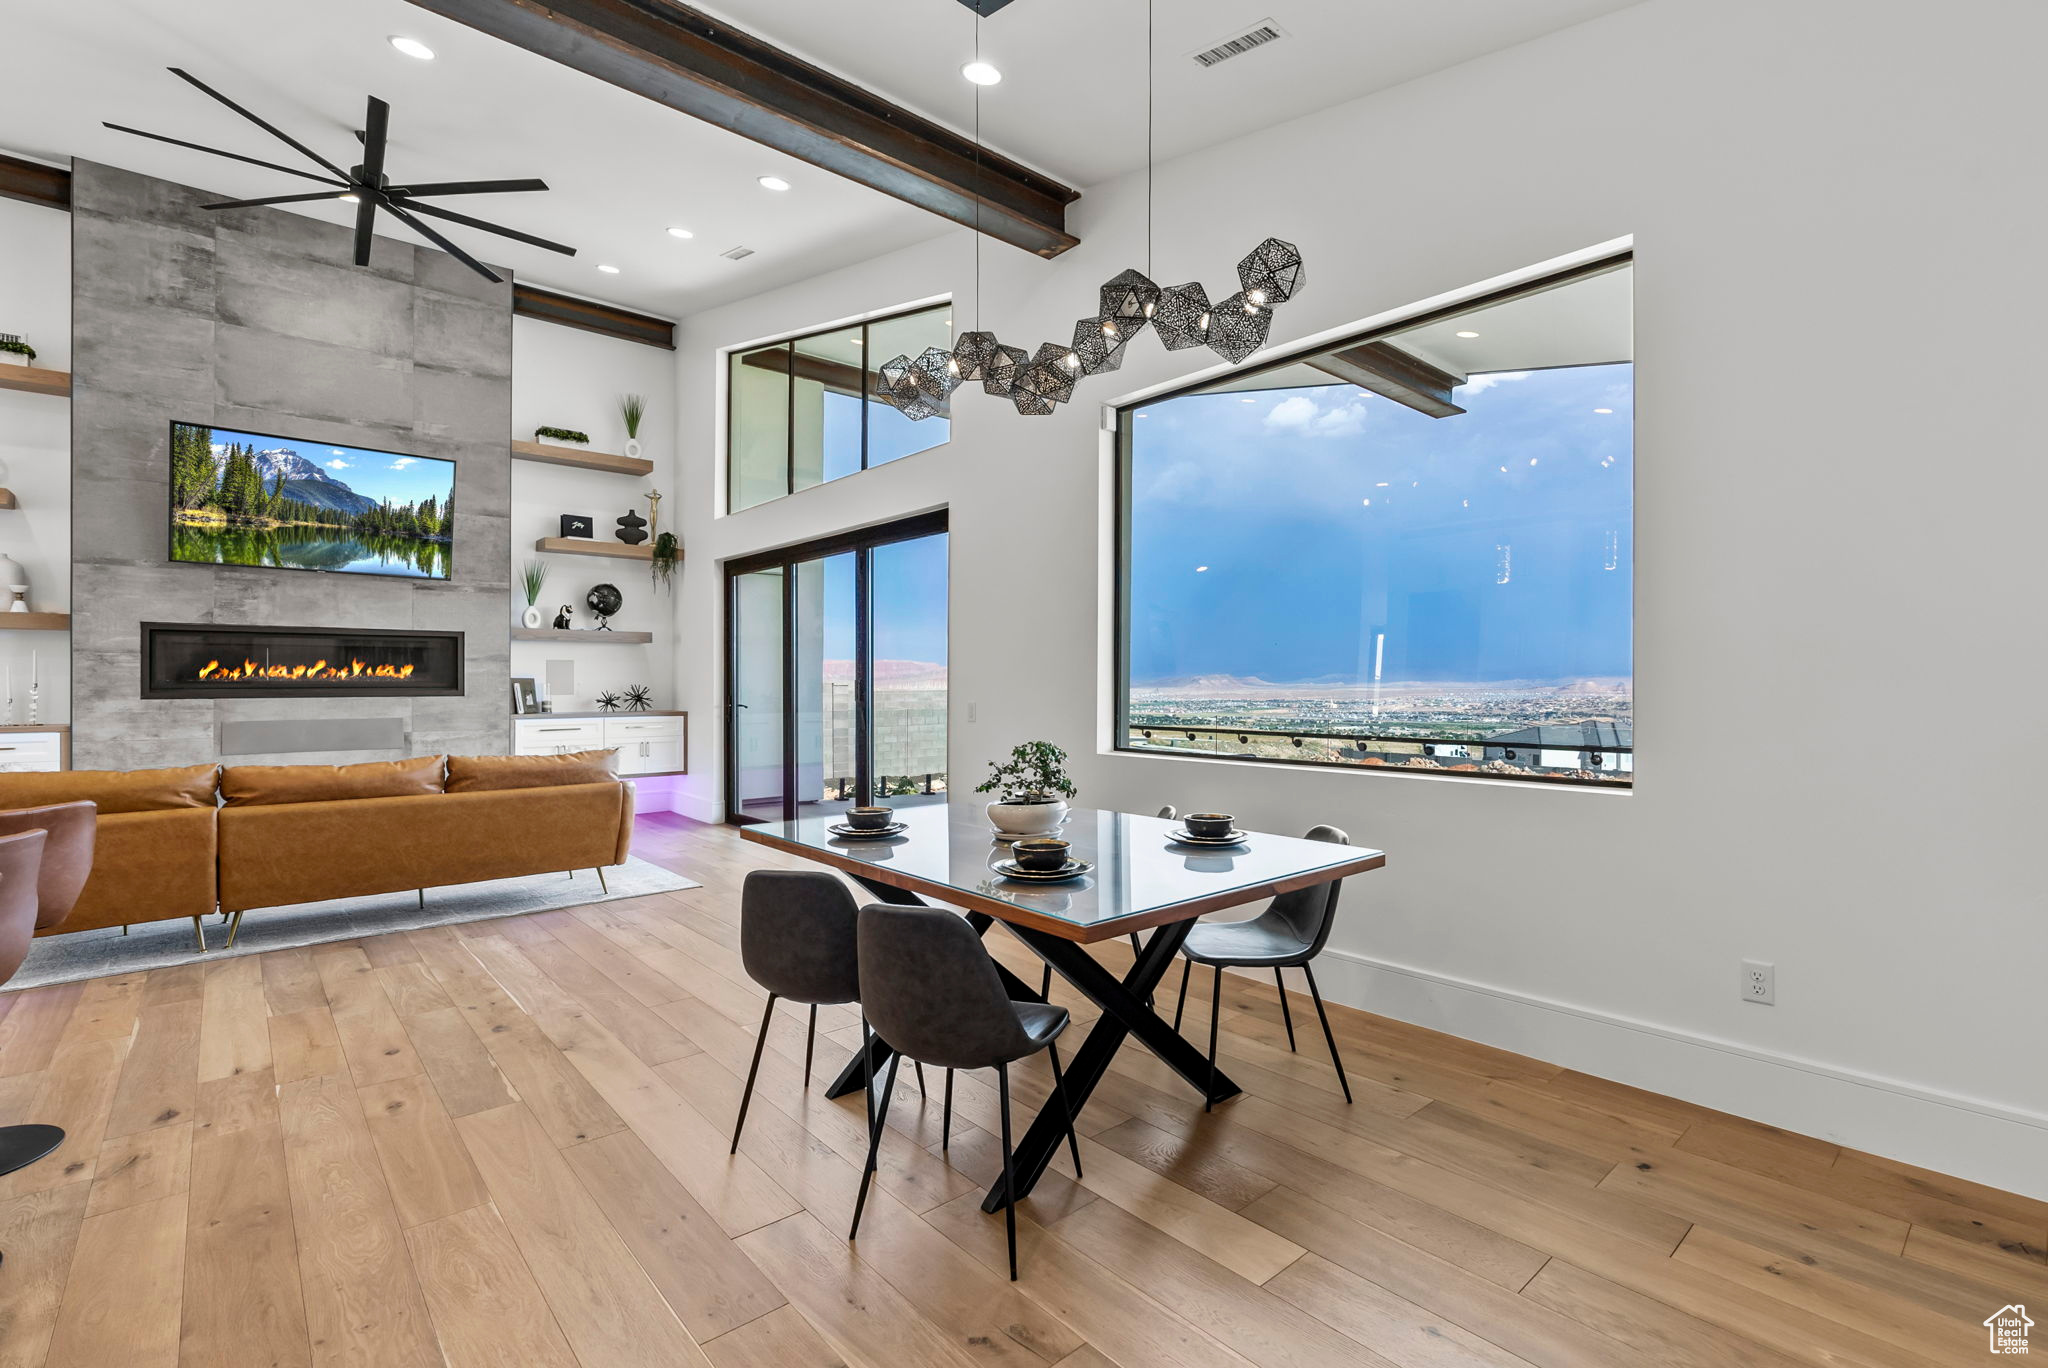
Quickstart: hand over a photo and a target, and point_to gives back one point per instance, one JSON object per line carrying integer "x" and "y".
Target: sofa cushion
{"x": 474, "y": 773}
{"x": 257, "y": 785}
{"x": 114, "y": 790}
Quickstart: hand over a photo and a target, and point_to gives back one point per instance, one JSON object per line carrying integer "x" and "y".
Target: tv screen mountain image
{"x": 252, "y": 498}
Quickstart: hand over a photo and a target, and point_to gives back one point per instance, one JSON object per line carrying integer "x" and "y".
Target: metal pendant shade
{"x": 1182, "y": 318}
{"x": 1238, "y": 327}
{"x": 1273, "y": 273}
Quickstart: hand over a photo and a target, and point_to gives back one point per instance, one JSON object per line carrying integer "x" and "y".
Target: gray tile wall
{"x": 255, "y": 319}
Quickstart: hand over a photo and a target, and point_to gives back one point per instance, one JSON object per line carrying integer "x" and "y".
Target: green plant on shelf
{"x": 532, "y": 576}
{"x": 667, "y": 551}
{"x": 18, "y": 347}
{"x": 632, "y": 408}
{"x": 561, "y": 435}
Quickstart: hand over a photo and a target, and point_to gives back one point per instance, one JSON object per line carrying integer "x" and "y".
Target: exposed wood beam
{"x": 698, "y": 65}
{"x": 608, "y": 319}
{"x": 35, "y": 182}
{"x": 1402, "y": 376}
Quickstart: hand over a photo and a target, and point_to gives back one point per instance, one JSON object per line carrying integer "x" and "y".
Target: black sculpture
{"x": 632, "y": 528}
{"x": 562, "y": 622}
{"x": 604, "y": 600}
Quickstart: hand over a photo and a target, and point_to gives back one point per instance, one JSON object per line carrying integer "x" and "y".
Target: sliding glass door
{"x": 836, "y": 673}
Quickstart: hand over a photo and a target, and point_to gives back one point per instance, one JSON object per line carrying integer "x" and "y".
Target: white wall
{"x": 1839, "y": 489}
{"x": 568, "y": 378}
{"x": 35, "y": 446}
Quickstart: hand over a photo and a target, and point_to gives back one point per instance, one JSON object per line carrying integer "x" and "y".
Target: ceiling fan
{"x": 366, "y": 185}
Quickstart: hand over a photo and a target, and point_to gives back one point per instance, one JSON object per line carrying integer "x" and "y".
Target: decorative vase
{"x": 632, "y": 528}
{"x": 16, "y": 357}
{"x": 532, "y": 617}
{"x": 16, "y": 579}
{"x": 1028, "y": 819}
{"x": 633, "y": 447}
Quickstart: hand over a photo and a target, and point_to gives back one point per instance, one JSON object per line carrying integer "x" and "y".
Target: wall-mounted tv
{"x": 253, "y": 498}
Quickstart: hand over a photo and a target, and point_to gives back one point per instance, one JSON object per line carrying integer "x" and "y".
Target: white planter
{"x": 16, "y": 357}
{"x": 532, "y": 617}
{"x": 1027, "y": 819}
{"x": 633, "y": 447}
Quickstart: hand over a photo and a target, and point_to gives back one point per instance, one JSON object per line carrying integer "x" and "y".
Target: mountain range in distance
{"x": 303, "y": 480}
{"x": 1338, "y": 686}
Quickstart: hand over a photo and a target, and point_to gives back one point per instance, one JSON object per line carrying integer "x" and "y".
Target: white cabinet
{"x": 647, "y": 743}
{"x": 32, "y": 748}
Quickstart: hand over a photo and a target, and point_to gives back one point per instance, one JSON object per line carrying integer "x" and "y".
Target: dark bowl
{"x": 1044, "y": 853}
{"x": 1209, "y": 823}
{"x": 869, "y": 818}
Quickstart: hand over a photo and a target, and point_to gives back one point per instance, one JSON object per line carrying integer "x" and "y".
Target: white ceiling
{"x": 623, "y": 169}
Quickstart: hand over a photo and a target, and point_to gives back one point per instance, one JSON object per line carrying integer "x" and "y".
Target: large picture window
{"x": 804, "y": 411}
{"x": 1412, "y": 550}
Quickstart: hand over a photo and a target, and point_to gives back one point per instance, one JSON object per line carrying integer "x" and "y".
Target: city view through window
{"x": 1427, "y": 568}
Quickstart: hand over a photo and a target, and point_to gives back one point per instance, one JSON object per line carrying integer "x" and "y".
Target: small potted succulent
{"x": 555, "y": 434}
{"x": 1033, "y": 788}
{"x": 13, "y": 349}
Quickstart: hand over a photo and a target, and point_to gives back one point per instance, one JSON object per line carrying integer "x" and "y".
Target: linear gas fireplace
{"x": 205, "y": 660}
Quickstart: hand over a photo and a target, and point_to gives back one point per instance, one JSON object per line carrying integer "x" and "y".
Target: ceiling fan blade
{"x": 491, "y": 187}
{"x": 376, "y": 118}
{"x": 468, "y": 222}
{"x": 445, "y": 245}
{"x": 276, "y": 199}
{"x": 269, "y": 128}
{"x": 232, "y": 156}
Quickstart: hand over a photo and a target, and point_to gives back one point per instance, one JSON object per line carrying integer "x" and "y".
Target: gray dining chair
{"x": 798, "y": 939}
{"x": 1287, "y": 935}
{"x": 932, "y": 993}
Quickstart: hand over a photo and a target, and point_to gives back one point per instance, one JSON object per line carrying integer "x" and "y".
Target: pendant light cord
{"x": 1151, "y": 103}
{"x": 977, "y": 177}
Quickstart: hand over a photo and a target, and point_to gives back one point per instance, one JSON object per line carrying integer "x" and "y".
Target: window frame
{"x": 789, "y": 344}
{"x": 1122, "y": 414}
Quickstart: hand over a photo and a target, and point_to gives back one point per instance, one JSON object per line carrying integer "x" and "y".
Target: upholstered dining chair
{"x": 797, "y": 940}
{"x": 1289, "y": 934}
{"x": 932, "y": 993}
{"x": 45, "y": 856}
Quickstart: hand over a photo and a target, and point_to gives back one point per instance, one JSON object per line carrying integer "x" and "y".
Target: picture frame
{"x": 525, "y": 696}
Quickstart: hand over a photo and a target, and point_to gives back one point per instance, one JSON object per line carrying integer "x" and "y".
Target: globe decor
{"x": 1038, "y": 382}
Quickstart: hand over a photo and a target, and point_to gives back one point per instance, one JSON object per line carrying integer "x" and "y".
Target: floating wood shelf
{"x": 35, "y": 622}
{"x": 7, "y": 499}
{"x": 581, "y": 459}
{"x": 35, "y": 380}
{"x": 591, "y": 546}
{"x": 588, "y": 635}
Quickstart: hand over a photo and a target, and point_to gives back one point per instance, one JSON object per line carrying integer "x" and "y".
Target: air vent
{"x": 1260, "y": 34}
{"x": 737, "y": 253}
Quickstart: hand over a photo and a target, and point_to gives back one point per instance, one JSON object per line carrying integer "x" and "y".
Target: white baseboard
{"x": 1971, "y": 1138}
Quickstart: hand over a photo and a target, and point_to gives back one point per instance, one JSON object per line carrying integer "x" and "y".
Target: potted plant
{"x": 1034, "y": 787}
{"x": 555, "y": 434}
{"x": 632, "y": 408}
{"x": 667, "y": 551}
{"x": 13, "y": 349}
{"x": 532, "y": 576}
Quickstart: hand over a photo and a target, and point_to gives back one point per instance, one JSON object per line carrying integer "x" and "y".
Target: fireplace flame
{"x": 317, "y": 671}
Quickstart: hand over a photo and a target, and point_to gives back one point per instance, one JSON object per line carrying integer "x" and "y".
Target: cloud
{"x": 402, "y": 462}
{"x": 337, "y": 465}
{"x": 1295, "y": 411}
{"x": 1299, "y": 413}
{"x": 1479, "y": 384}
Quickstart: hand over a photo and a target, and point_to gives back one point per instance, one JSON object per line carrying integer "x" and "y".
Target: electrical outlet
{"x": 1760, "y": 982}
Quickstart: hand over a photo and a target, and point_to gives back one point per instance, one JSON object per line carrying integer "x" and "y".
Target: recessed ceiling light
{"x": 776, "y": 183}
{"x": 609, "y": 270}
{"x": 1468, "y": 334}
{"x": 681, "y": 233}
{"x": 1603, "y": 410}
{"x": 1368, "y": 503}
{"x": 412, "y": 47}
{"x": 981, "y": 73}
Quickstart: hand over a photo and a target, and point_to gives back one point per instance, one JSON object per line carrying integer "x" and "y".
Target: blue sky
{"x": 909, "y": 602}
{"x": 376, "y": 475}
{"x": 1278, "y": 534}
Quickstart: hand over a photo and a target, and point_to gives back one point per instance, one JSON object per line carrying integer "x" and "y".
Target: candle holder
{"x": 20, "y": 604}
{"x": 35, "y": 693}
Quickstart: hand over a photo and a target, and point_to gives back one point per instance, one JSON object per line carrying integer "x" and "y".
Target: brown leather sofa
{"x": 186, "y": 842}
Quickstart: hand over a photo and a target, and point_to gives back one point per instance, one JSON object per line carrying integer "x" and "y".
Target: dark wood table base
{"x": 1124, "y": 1013}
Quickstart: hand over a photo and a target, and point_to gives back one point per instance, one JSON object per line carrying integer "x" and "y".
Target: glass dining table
{"x": 1142, "y": 881}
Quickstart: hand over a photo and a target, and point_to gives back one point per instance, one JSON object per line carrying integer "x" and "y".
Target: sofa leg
{"x": 199, "y": 932}
{"x": 124, "y": 928}
{"x": 602, "y": 886}
{"x": 423, "y": 900}
{"x": 234, "y": 929}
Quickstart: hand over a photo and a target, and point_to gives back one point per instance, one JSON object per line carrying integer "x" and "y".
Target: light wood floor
{"x": 505, "y": 1144}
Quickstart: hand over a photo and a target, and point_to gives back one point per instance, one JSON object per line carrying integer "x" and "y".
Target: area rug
{"x": 154, "y": 945}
